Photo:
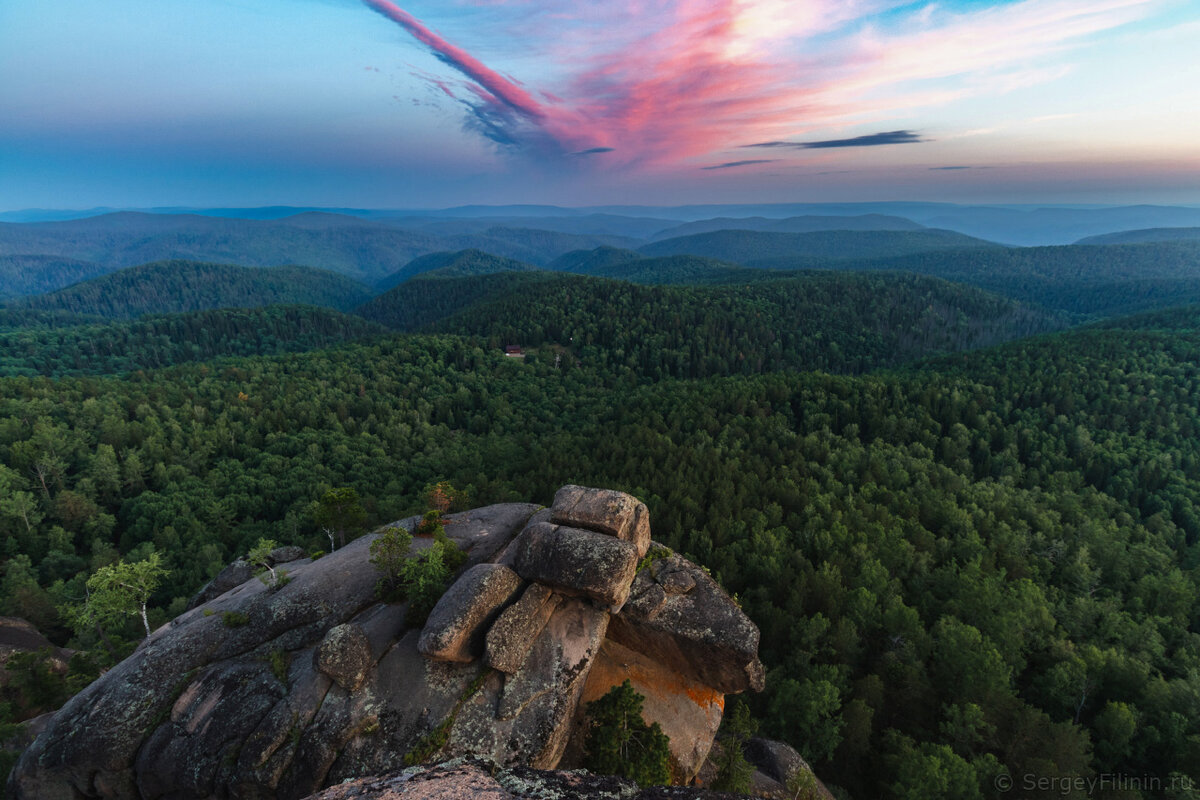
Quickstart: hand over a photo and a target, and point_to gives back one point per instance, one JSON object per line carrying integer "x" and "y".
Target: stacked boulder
{"x": 325, "y": 684}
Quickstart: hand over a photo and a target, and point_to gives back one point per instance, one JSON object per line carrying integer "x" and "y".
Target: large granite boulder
{"x": 577, "y": 561}
{"x": 459, "y": 622}
{"x": 605, "y": 511}
{"x": 276, "y": 692}
{"x": 680, "y": 614}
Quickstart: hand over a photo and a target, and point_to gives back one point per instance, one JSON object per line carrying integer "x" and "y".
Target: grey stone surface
{"x": 605, "y": 511}
{"x": 576, "y": 561}
{"x": 484, "y": 532}
{"x": 345, "y": 656}
{"x": 512, "y": 635}
{"x": 702, "y": 634}
{"x": 459, "y": 622}
{"x": 525, "y": 719}
{"x": 286, "y": 554}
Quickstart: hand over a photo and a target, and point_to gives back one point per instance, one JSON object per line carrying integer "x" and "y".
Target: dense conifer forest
{"x": 970, "y": 537}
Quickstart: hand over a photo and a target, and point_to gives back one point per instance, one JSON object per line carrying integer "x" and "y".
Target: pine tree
{"x": 619, "y": 742}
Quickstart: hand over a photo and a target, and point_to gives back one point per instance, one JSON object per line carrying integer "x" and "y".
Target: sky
{"x": 423, "y": 104}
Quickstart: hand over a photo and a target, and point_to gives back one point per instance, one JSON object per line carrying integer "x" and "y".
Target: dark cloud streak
{"x": 868, "y": 140}
{"x": 731, "y": 164}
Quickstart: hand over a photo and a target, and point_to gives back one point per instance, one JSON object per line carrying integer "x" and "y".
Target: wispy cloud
{"x": 676, "y": 81}
{"x": 593, "y": 151}
{"x": 731, "y": 164}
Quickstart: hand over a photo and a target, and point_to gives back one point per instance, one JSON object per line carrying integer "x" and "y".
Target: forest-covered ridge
{"x": 175, "y": 286}
{"x": 56, "y": 344}
{"x": 842, "y": 322}
{"x": 452, "y": 264}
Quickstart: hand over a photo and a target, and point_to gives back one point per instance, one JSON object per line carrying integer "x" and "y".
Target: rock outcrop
{"x": 276, "y": 692}
{"x": 477, "y": 779}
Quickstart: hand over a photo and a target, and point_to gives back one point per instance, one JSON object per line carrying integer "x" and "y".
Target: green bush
{"x": 421, "y": 578}
{"x": 619, "y": 742}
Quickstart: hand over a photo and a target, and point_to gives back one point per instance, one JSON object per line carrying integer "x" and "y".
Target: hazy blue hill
{"x": 588, "y": 224}
{"x": 803, "y": 224}
{"x": 175, "y": 286}
{"x": 531, "y": 245}
{"x": 416, "y": 303}
{"x": 34, "y": 274}
{"x": 798, "y": 250}
{"x": 690, "y": 270}
{"x": 586, "y": 262}
{"x": 454, "y": 264}
{"x": 42, "y": 344}
{"x": 363, "y": 249}
{"x": 1044, "y": 226}
{"x": 1100, "y": 280}
{"x": 1145, "y": 235}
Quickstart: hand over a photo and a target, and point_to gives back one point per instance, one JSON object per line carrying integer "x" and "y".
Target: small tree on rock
{"x": 120, "y": 590}
{"x": 619, "y": 742}
{"x": 260, "y": 558}
{"x": 340, "y": 513}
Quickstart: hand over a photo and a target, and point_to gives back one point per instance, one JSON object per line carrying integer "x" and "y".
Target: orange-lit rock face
{"x": 688, "y": 712}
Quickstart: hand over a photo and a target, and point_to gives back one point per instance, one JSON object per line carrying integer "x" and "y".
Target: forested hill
{"x": 763, "y": 248}
{"x": 1145, "y": 235}
{"x": 842, "y": 322}
{"x": 363, "y": 249}
{"x": 174, "y": 286}
{"x": 629, "y": 265}
{"x": 32, "y": 346}
{"x": 1101, "y": 280}
{"x": 22, "y": 275}
{"x": 456, "y": 264}
{"x": 983, "y": 567}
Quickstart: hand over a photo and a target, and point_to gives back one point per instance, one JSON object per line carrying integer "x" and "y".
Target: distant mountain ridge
{"x": 801, "y": 224}
{"x": 1145, "y": 235}
{"x": 775, "y": 250}
{"x": 177, "y": 286}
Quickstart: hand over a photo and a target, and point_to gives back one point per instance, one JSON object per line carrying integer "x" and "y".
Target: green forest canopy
{"x": 988, "y": 563}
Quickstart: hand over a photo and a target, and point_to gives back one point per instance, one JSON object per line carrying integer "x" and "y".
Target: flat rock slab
{"x": 484, "y": 532}
{"x": 578, "y": 562}
{"x": 458, "y": 623}
{"x": 605, "y": 511}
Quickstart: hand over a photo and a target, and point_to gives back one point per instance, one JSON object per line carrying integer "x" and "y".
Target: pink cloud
{"x": 675, "y": 81}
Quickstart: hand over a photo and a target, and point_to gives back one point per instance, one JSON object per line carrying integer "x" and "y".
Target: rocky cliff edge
{"x": 263, "y": 692}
